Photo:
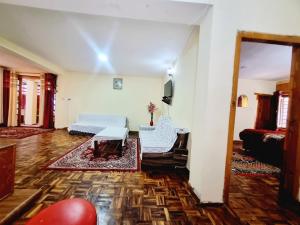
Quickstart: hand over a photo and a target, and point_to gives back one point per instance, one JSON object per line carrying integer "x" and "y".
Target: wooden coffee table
{"x": 108, "y": 147}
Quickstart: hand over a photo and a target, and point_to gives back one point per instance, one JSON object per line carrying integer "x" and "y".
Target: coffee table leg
{"x": 120, "y": 148}
{"x": 96, "y": 149}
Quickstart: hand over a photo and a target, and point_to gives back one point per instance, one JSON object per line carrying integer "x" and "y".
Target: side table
{"x": 146, "y": 127}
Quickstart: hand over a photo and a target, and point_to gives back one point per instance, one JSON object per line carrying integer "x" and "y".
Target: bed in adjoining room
{"x": 265, "y": 145}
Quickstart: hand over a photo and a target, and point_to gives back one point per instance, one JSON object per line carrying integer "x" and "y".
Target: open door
{"x": 290, "y": 175}
{"x": 289, "y": 188}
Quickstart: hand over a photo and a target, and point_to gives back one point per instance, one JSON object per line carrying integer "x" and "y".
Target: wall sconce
{"x": 170, "y": 72}
{"x": 242, "y": 101}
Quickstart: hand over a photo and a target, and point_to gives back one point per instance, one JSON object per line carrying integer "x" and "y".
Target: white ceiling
{"x": 18, "y": 63}
{"x": 171, "y": 11}
{"x": 146, "y": 41}
{"x": 260, "y": 61}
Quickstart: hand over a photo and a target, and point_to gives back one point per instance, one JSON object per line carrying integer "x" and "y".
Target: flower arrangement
{"x": 151, "y": 107}
{"x": 151, "y": 110}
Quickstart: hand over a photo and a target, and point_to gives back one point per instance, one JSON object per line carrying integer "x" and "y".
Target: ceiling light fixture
{"x": 102, "y": 58}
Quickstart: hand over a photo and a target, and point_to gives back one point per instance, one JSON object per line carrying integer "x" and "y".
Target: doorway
{"x": 289, "y": 180}
{"x": 29, "y": 101}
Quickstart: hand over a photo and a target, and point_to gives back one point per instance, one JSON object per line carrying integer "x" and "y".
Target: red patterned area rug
{"x": 21, "y": 132}
{"x": 81, "y": 158}
{"x": 244, "y": 165}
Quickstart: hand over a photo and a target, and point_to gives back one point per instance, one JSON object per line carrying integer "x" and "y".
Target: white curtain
{"x": 42, "y": 101}
{"x": 1, "y": 95}
{"x": 31, "y": 102}
{"x": 13, "y": 95}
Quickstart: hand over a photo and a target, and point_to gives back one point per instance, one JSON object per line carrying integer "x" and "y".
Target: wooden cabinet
{"x": 7, "y": 168}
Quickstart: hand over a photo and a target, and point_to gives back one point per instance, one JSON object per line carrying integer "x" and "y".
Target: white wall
{"x": 1, "y": 95}
{"x": 245, "y": 117}
{"x": 181, "y": 109}
{"x": 95, "y": 94}
{"x": 214, "y": 81}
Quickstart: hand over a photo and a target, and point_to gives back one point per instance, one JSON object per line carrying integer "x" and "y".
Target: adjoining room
{"x": 24, "y": 107}
{"x": 260, "y": 122}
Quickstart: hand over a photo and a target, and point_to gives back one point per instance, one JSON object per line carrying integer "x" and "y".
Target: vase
{"x": 151, "y": 121}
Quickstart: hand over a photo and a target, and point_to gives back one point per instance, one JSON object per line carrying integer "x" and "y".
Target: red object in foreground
{"x": 67, "y": 212}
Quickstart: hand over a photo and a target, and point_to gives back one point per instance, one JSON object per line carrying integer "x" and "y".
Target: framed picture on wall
{"x": 117, "y": 83}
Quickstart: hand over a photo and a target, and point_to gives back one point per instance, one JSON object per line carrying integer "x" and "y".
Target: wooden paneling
{"x": 7, "y": 168}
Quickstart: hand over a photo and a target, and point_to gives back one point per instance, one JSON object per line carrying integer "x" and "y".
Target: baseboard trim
{"x": 62, "y": 128}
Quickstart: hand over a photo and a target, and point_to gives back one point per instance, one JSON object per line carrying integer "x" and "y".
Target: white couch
{"x": 93, "y": 123}
{"x": 159, "y": 140}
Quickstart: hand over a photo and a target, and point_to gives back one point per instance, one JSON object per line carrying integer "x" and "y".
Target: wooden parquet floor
{"x": 254, "y": 200}
{"x": 144, "y": 198}
{"x": 16, "y": 203}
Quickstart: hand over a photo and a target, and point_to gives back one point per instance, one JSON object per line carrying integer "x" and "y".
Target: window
{"x": 283, "y": 106}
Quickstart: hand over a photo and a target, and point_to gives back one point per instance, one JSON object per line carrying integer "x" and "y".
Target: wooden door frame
{"x": 261, "y": 38}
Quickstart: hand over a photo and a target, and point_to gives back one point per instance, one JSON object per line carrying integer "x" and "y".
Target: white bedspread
{"x": 92, "y": 123}
{"x": 159, "y": 140}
